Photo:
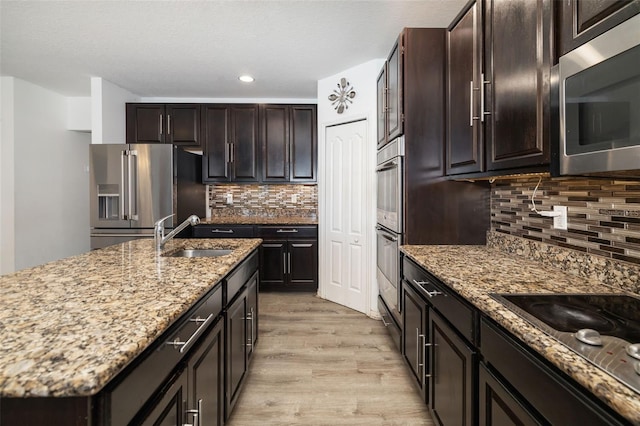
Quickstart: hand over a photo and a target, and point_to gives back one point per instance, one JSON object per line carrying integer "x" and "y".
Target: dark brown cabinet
{"x": 516, "y": 82}
{"x": 436, "y": 345}
{"x": 381, "y": 99}
{"x": 289, "y": 143}
{"x": 414, "y": 317}
{"x": 241, "y": 328}
{"x": 230, "y": 143}
{"x": 452, "y": 365}
{"x": 289, "y": 258}
{"x": 465, "y": 153}
{"x": 581, "y": 21}
{"x": 169, "y": 409}
{"x": 499, "y": 64}
{"x": 205, "y": 380}
{"x": 410, "y": 93}
{"x": 498, "y": 406}
{"x": 548, "y": 395}
{"x": 177, "y": 124}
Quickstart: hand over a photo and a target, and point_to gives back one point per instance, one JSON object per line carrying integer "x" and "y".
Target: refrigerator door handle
{"x": 133, "y": 186}
{"x": 123, "y": 215}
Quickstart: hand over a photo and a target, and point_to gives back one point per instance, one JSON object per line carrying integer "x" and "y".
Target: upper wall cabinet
{"x": 177, "y": 124}
{"x": 289, "y": 143}
{"x": 411, "y": 99}
{"x": 581, "y": 21}
{"x": 390, "y": 94}
{"x": 230, "y": 143}
{"x": 499, "y": 86}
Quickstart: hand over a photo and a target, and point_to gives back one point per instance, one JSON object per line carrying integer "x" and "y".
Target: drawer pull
{"x": 184, "y": 346}
{"x": 432, "y": 293}
{"x": 222, "y": 231}
{"x": 287, "y": 231}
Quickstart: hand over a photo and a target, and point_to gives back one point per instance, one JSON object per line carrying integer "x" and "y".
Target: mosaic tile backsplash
{"x": 300, "y": 198}
{"x": 603, "y": 214}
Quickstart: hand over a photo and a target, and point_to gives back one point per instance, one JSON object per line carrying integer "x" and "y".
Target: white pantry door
{"x": 345, "y": 216}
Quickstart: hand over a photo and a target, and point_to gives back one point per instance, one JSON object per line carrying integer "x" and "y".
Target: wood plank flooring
{"x": 319, "y": 363}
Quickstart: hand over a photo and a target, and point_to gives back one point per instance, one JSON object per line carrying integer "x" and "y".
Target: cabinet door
{"x": 302, "y": 264}
{"x": 452, "y": 372}
{"x": 145, "y": 123}
{"x": 244, "y": 143}
{"x": 464, "y": 129}
{"x": 581, "y": 21}
{"x": 252, "y": 314}
{"x": 215, "y": 139}
{"x": 395, "y": 90}
{"x": 183, "y": 124}
{"x": 498, "y": 406}
{"x": 518, "y": 60}
{"x": 414, "y": 316}
{"x": 303, "y": 143}
{"x": 381, "y": 96}
{"x": 169, "y": 409}
{"x": 275, "y": 143}
{"x": 206, "y": 380}
{"x": 273, "y": 263}
{"x": 236, "y": 359}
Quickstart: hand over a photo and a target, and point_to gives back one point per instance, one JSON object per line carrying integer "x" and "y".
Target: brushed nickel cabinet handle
{"x": 168, "y": 124}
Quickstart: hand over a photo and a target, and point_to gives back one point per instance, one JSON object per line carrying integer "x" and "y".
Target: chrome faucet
{"x": 158, "y": 230}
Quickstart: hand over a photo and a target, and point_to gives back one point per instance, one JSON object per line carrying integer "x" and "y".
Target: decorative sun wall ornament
{"x": 342, "y": 97}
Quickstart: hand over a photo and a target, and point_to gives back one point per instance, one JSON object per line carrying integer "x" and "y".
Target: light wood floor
{"x": 319, "y": 363}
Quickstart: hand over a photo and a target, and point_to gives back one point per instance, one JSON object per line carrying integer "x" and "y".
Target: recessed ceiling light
{"x": 246, "y": 78}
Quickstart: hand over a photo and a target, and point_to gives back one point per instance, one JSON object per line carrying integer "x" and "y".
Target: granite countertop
{"x": 260, "y": 220}
{"x": 476, "y": 271}
{"x": 68, "y": 327}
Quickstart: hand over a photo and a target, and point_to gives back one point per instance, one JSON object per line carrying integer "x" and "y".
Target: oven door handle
{"x": 386, "y": 235}
{"x": 392, "y": 164}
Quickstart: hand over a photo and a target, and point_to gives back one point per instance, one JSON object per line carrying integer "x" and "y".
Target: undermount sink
{"x": 200, "y": 253}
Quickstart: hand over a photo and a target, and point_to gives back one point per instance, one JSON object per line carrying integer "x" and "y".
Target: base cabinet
{"x": 241, "y": 325}
{"x": 288, "y": 258}
{"x": 195, "y": 396}
{"x": 453, "y": 365}
{"x": 414, "y": 317}
{"x": 498, "y": 406}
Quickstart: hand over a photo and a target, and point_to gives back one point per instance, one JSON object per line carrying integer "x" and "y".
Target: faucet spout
{"x": 158, "y": 232}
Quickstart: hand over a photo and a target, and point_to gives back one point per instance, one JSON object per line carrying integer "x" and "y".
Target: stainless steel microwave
{"x": 600, "y": 103}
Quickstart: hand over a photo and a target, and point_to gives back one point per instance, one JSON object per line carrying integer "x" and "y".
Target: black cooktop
{"x": 611, "y": 314}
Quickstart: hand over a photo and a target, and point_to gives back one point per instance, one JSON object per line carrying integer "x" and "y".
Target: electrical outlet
{"x": 560, "y": 222}
{"x": 229, "y": 198}
{"x": 294, "y": 198}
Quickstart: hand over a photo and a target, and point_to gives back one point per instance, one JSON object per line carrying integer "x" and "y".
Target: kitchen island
{"x": 70, "y": 327}
{"x": 477, "y": 272}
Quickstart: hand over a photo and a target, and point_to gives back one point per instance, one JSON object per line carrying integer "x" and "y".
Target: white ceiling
{"x": 199, "y": 48}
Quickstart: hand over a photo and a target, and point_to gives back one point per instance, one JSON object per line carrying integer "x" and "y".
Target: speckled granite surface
{"x": 476, "y": 271}
{"x": 68, "y": 327}
{"x": 261, "y": 220}
{"x": 619, "y": 274}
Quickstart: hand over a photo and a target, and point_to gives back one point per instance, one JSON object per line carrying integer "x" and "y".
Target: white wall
{"x": 363, "y": 79}
{"x": 51, "y": 204}
{"x": 108, "y": 111}
{"x": 79, "y": 114}
{"x": 7, "y": 201}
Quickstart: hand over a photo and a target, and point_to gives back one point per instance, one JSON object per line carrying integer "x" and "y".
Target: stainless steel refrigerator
{"x": 134, "y": 185}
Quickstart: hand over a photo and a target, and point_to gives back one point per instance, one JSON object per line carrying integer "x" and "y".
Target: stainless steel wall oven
{"x": 389, "y": 174}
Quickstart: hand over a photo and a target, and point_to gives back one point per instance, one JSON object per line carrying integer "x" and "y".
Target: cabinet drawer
{"x": 443, "y": 299}
{"x": 558, "y": 400}
{"x": 282, "y": 232}
{"x": 223, "y": 231}
{"x": 151, "y": 369}
{"x": 240, "y": 276}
